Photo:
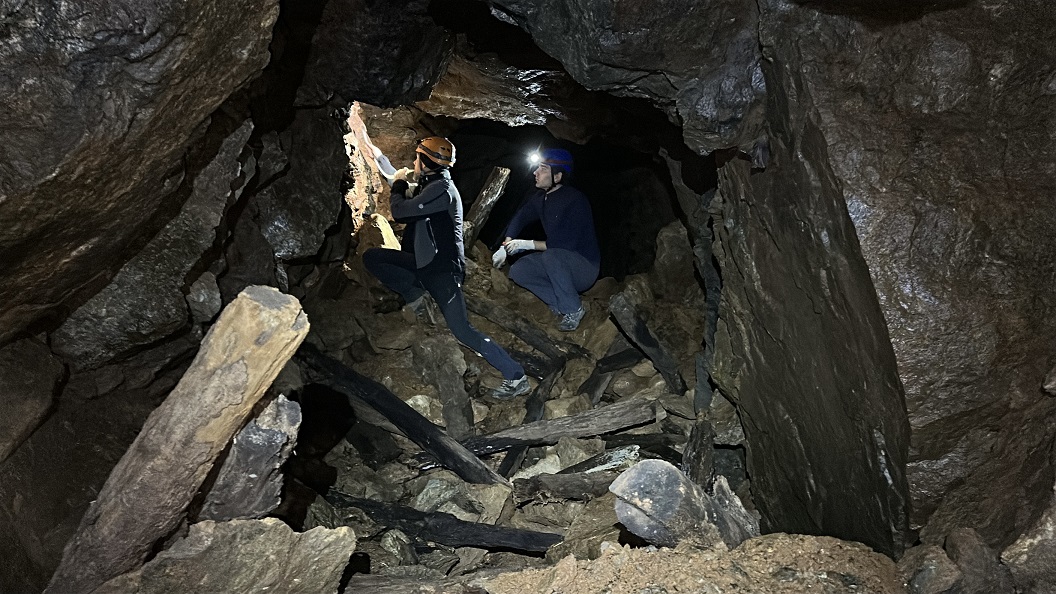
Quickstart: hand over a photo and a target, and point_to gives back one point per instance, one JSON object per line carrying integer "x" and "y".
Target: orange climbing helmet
{"x": 439, "y": 150}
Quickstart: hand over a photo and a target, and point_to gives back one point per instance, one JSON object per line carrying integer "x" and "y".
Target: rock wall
{"x": 101, "y": 105}
{"x": 940, "y": 131}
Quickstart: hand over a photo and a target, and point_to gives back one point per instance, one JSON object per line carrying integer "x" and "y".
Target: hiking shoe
{"x": 511, "y": 388}
{"x": 570, "y": 321}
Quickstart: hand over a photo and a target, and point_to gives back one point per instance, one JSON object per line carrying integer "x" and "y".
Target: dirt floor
{"x": 772, "y": 564}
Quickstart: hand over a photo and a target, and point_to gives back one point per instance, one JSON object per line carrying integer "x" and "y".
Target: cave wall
{"x": 941, "y": 133}
{"x": 101, "y": 105}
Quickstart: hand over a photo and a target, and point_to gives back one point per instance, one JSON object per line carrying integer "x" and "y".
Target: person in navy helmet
{"x": 566, "y": 263}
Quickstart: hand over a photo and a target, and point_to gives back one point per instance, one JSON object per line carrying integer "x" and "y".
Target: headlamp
{"x": 534, "y": 158}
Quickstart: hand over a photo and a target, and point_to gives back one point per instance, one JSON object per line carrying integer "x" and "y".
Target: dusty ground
{"x": 772, "y": 564}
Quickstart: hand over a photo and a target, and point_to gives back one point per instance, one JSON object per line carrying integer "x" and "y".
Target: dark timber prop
{"x": 534, "y": 412}
{"x": 523, "y": 329}
{"x": 626, "y": 314}
{"x": 580, "y": 486}
{"x": 445, "y": 529}
{"x": 148, "y": 492}
{"x": 330, "y": 372}
{"x": 486, "y": 199}
{"x": 623, "y": 414}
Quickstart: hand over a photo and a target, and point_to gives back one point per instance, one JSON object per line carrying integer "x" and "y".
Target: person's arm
{"x": 525, "y": 215}
{"x": 433, "y": 199}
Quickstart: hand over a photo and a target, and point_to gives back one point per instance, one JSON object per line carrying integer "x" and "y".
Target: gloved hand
{"x": 399, "y": 187}
{"x": 498, "y": 259}
{"x": 516, "y": 246}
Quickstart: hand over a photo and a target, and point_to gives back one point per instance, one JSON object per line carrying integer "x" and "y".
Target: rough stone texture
{"x": 700, "y": 62}
{"x": 940, "y": 132}
{"x": 148, "y": 492}
{"x": 101, "y": 107}
{"x": 244, "y": 556}
{"x": 796, "y": 302}
{"x": 29, "y": 380}
{"x": 927, "y": 570}
{"x": 296, "y": 209}
{"x": 249, "y": 484}
{"x": 1032, "y": 557}
{"x": 981, "y": 569}
{"x": 47, "y": 484}
{"x": 145, "y": 302}
{"x": 386, "y": 54}
{"x": 441, "y": 364}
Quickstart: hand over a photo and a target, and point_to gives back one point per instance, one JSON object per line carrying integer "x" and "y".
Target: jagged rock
{"x": 399, "y": 546}
{"x": 355, "y": 53}
{"x": 564, "y": 407}
{"x": 660, "y": 504}
{"x": 723, "y": 417}
{"x": 249, "y": 484}
{"x": 294, "y": 211}
{"x": 29, "y": 380}
{"x": 1049, "y": 385}
{"x": 796, "y": 298}
{"x": 148, "y": 492}
{"x": 334, "y": 319}
{"x": 981, "y": 570}
{"x": 958, "y": 255}
{"x": 927, "y": 570}
{"x": 47, "y": 484}
{"x": 145, "y": 301}
{"x": 1032, "y": 557}
{"x": 203, "y": 299}
{"x": 115, "y": 108}
{"x": 704, "y": 67}
{"x": 597, "y": 523}
{"x": 441, "y": 364}
{"x": 244, "y": 556}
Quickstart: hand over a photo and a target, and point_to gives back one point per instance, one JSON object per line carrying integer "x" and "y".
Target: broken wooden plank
{"x": 626, "y": 314}
{"x": 148, "y": 492}
{"x": 481, "y": 208}
{"x": 524, "y": 329}
{"x": 330, "y": 372}
{"x": 444, "y": 528}
{"x": 621, "y": 415}
{"x": 534, "y": 407}
{"x": 661, "y": 505}
{"x": 579, "y": 486}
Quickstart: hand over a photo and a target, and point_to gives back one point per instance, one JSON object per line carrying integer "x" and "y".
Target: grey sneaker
{"x": 511, "y": 388}
{"x": 570, "y": 321}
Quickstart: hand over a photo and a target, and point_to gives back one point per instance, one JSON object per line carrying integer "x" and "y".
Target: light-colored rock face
{"x": 940, "y": 132}
{"x": 92, "y": 140}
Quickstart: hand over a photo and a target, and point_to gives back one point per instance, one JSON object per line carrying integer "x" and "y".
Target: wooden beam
{"x": 534, "y": 412}
{"x": 481, "y": 208}
{"x": 444, "y": 528}
{"x": 623, "y": 414}
{"x": 523, "y": 329}
{"x": 330, "y": 372}
{"x": 148, "y": 492}
{"x": 578, "y": 486}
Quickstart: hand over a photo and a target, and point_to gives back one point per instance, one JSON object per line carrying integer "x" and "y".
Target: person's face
{"x": 544, "y": 177}
{"x": 417, "y": 163}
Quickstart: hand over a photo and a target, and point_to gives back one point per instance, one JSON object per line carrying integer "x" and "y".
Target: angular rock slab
{"x": 244, "y": 556}
{"x": 145, "y": 302}
{"x": 29, "y": 377}
{"x": 249, "y": 484}
{"x": 94, "y": 137}
{"x": 660, "y": 504}
{"x": 147, "y": 493}
{"x": 1032, "y": 558}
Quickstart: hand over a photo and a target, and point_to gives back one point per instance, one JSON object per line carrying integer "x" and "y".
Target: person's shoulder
{"x": 572, "y": 193}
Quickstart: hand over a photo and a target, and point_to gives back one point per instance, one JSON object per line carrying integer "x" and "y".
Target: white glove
{"x": 516, "y": 246}
{"x": 498, "y": 259}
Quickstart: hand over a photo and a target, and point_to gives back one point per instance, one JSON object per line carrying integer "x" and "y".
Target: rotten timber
{"x": 451, "y": 454}
{"x": 534, "y": 408}
{"x": 524, "y": 329}
{"x": 148, "y": 492}
{"x": 579, "y": 486}
{"x": 481, "y": 208}
{"x": 614, "y": 417}
{"x": 627, "y": 316}
{"x": 444, "y": 528}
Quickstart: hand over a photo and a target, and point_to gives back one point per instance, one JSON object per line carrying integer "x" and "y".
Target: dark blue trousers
{"x": 556, "y": 276}
{"x": 397, "y": 271}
